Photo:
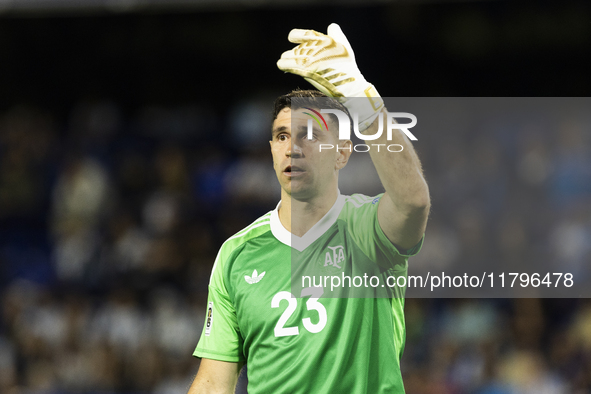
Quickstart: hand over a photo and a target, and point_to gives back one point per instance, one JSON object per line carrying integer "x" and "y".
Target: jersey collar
{"x": 301, "y": 243}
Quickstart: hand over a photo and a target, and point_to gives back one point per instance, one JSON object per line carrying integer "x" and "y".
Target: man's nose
{"x": 294, "y": 151}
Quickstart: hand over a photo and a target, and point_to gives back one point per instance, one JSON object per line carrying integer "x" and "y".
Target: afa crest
{"x": 335, "y": 256}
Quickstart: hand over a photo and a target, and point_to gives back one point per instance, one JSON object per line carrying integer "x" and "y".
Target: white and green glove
{"x": 327, "y": 61}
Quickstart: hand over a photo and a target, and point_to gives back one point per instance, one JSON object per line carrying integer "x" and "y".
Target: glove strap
{"x": 367, "y": 105}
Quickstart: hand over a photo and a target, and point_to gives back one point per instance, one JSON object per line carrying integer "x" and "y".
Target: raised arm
{"x": 216, "y": 377}
{"x": 404, "y": 209}
{"x": 327, "y": 61}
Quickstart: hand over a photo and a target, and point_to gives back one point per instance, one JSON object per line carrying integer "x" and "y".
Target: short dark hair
{"x": 316, "y": 98}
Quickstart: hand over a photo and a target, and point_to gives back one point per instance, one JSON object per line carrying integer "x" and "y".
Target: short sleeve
{"x": 368, "y": 234}
{"x": 220, "y": 339}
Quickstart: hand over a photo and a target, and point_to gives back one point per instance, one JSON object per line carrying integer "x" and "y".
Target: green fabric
{"x": 325, "y": 345}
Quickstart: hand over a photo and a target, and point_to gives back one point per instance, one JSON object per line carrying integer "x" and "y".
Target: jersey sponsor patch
{"x": 209, "y": 319}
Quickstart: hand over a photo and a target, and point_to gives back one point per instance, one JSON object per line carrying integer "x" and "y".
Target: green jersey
{"x": 312, "y": 344}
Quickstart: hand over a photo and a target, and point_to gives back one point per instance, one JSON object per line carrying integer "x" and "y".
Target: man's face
{"x": 302, "y": 169}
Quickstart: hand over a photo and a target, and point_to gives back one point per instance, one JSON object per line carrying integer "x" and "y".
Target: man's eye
{"x": 282, "y": 137}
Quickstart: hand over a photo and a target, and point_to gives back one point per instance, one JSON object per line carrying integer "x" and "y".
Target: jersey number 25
{"x": 311, "y": 304}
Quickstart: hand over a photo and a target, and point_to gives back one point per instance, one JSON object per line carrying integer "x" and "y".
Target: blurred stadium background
{"x": 133, "y": 142}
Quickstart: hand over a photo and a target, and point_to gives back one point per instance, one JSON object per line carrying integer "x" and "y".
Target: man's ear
{"x": 344, "y": 150}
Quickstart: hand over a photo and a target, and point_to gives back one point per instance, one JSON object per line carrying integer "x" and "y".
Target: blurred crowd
{"x": 110, "y": 221}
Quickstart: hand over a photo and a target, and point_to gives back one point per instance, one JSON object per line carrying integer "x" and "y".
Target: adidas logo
{"x": 255, "y": 277}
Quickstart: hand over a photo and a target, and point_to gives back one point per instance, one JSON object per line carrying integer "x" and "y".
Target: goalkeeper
{"x": 317, "y": 344}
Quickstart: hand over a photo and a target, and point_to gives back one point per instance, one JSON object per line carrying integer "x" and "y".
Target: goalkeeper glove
{"x": 327, "y": 61}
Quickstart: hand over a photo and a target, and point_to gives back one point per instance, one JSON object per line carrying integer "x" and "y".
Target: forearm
{"x": 400, "y": 172}
{"x": 216, "y": 377}
{"x": 205, "y": 386}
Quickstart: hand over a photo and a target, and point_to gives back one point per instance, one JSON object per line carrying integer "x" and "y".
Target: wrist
{"x": 366, "y": 104}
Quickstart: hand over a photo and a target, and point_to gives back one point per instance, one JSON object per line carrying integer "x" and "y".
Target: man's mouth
{"x": 293, "y": 171}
